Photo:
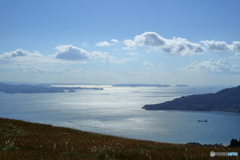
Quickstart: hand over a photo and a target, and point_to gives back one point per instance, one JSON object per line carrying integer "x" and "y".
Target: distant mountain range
{"x": 226, "y": 100}
{"x": 40, "y": 88}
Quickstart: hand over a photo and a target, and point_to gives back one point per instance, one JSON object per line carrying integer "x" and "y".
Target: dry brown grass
{"x": 21, "y": 140}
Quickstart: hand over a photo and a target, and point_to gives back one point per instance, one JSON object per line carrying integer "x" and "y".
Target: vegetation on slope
{"x": 23, "y": 140}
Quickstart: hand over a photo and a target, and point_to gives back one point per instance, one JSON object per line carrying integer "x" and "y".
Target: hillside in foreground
{"x": 226, "y": 100}
{"x": 21, "y": 140}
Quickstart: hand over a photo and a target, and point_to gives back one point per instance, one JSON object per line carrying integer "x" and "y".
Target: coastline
{"x": 126, "y": 124}
{"x": 211, "y": 111}
{"x": 226, "y": 100}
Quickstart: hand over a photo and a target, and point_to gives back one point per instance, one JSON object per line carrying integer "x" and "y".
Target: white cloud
{"x": 67, "y": 70}
{"x": 175, "y": 46}
{"x": 217, "y": 45}
{"x": 212, "y": 66}
{"x": 115, "y": 40}
{"x": 146, "y": 63}
{"x": 237, "y": 55}
{"x": 236, "y": 45}
{"x": 114, "y": 60}
{"x": 37, "y": 65}
{"x": 73, "y": 70}
{"x": 151, "y": 69}
{"x": 36, "y": 70}
{"x": 146, "y": 39}
{"x": 30, "y": 62}
{"x": 103, "y": 55}
{"x": 148, "y": 71}
{"x": 131, "y": 72}
{"x": 103, "y": 44}
{"x": 71, "y": 53}
{"x": 106, "y": 43}
{"x": 85, "y": 44}
{"x": 133, "y": 53}
{"x": 19, "y": 53}
{"x": 104, "y": 72}
{"x": 66, "y": 54}
{"x": 181, "y": 46}
{"x": 160, "y": 64}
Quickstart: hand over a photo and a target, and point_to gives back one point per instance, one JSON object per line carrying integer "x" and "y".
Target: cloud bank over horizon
{"x": 131, "y": 57}
{"x": 113, "y": 42}
{"x": 221, "y": 66}
{"x": 177, "y": 45}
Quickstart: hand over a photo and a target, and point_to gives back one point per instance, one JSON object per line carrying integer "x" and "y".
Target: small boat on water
{"x": 202, "y": 120}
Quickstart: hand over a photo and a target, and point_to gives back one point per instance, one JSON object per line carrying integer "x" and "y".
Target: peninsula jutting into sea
{"x": 226, "y": 100}
{"x": 40, "y": 88}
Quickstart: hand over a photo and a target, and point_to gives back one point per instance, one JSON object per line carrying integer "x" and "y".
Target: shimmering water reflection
{"x": 117, "y": 111}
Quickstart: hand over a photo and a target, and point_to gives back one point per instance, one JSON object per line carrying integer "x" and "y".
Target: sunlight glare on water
{"x": 117, "y": 111}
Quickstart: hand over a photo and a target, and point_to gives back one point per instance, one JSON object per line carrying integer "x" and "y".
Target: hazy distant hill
{"x": 180, "y": 85}
{"x": 227, "y": 100}
{"x": 141, "y": 85}
{"x": 147, "y": 85}
{"x": 41, "y": 88}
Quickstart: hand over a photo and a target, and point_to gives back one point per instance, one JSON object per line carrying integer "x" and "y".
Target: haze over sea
{"x": 117, "y": 111}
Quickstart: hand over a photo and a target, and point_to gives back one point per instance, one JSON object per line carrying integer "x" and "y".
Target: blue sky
{"x": 108, "y": 42}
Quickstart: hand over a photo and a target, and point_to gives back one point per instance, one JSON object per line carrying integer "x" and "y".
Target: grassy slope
{"x": 24, "y": 140}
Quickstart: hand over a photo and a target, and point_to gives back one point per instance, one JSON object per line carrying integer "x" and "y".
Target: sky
{"x": 193, "y": 42}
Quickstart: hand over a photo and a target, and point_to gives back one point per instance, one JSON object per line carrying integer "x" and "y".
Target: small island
{"x": 226, "y": 100}
{"x": 40, "y": 88}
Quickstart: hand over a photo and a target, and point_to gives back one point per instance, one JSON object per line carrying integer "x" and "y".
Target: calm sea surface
{"x": 117, "y": 111}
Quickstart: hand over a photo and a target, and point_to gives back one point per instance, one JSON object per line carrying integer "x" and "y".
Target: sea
{"x": 118, "y": 111}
